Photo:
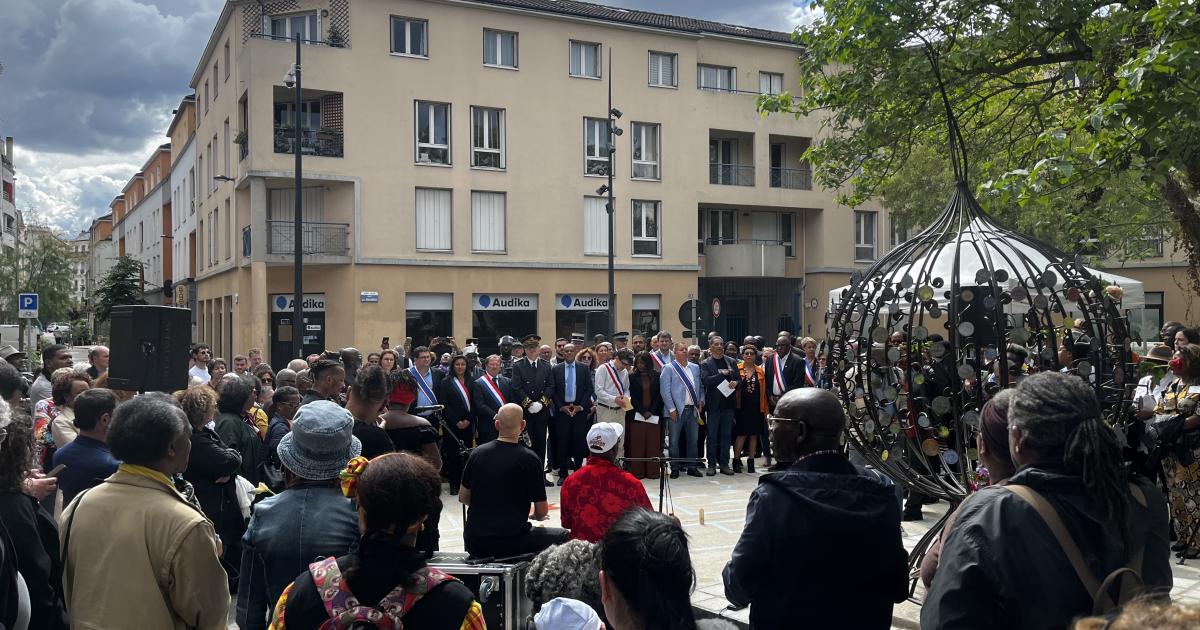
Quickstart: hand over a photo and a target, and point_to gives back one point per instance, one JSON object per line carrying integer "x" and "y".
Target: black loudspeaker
{"x": 596, "y": 323}
{"x": 149, "y": 348}
{"x": 981, "y": 313}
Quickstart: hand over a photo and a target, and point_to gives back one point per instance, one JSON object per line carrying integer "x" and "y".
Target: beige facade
{"x": 1169, "y": 296}
{"x": 381, "y": 218}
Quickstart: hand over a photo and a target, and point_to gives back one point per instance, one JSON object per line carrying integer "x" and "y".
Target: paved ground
{"x": 722, "y": 501}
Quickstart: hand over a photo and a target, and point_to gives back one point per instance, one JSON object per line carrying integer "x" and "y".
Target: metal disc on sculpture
{"x": 971, "y": 418}
{"x": 929, "y": 447}
{"x": 920, "y": 333}
{"x": 966, "y": 329}
{"x": 950, "y": 457}
{"x": 941, "y": 405}
{"x": 965, "y": 371}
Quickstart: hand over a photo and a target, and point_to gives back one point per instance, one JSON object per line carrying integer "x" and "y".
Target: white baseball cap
{"x": 603, "y": 436}
{"x": 562, "y": 613}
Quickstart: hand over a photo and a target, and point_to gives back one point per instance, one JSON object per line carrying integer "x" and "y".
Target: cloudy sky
{"x": 88, "y": 86}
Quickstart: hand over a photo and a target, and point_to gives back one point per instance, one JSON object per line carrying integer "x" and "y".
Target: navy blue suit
{"x": 570, "y": 433}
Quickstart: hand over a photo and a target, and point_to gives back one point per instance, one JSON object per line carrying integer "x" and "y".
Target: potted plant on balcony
{"x": 335, "y": 39}
{"x": 240, "y": 138}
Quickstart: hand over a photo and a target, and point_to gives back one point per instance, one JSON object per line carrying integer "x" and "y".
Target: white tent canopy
{"x": 981, "y": 245}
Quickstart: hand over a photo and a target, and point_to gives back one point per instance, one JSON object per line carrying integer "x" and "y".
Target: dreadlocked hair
{"x": 645, "y": 555}
{"x": 1059, "y": 418}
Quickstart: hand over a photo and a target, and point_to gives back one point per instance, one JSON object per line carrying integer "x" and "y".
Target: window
{"x": 310, "y": 115}
{"x": 409, "y": 37}
{"x": 433, "y": 133}
{"x": 216, "y": 83}
{"x": 228, "y": 164}
{"x": 291, "y": 25}
{"x": 433, "y": 219}
{"x": 212, "y": 165}
{"x": 864, "y": 236}
{"x": 228, "y": 226}
{"x": 718, "y": 78}
{"x": 216, "y": 228}
{"x": 487, "y": 137}
{"x": 770, "y": 83}
{"x": 596, "y": 152}
{"x": 487, "y": 222}
{"x": 595, "y": 226}
{"x": 645, "y": 150}
{"x": 227, "y": 60}
{"x": 722, "y": 227}
{"x": 787, "y": 234}
{"x": 499, "y": 48}
{"x": 662, "y": 69}
{"x": 1146, "y": 322}
{"x": 585, "y": 60}
{"x": 191, "y": 187}
{"x": 206, "y": 98}
{"x": 645, "y": 228}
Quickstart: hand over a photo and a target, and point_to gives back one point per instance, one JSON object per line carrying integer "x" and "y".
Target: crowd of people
{"x": 313, "y": 492}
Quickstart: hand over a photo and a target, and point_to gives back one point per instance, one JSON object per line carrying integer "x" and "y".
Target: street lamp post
{"x": 613, "y": 132}
{"x": 298, "y": 245}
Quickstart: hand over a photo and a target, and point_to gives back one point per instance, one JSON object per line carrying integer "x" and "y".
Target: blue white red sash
{"x": 425, "y": 389}
{"x": 657, "y": 361}
{"x": 779, "y": 381}
{"x": 687, "y": 381}
{"x": 616, "y": 381}
{"x": 462, "y": 391}
{"x": 490, "y": 385}
{"x": 808, "y": 374}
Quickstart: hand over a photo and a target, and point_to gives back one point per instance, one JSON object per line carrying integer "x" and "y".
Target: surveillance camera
{"x": 617, "y": 131}
{"x": 602, "y": 189}
{"x": 616, "y": 113}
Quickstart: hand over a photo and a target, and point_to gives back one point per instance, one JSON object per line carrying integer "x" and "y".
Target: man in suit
{"x": 683, "y": 400}
{"x": 714, "y": 371}
{"x": 533, "y": 388}
{"x": 488, "y": 393}
{"x": 572, "y": 400}
{"x": 430, "y": 379}
{"x": 784, "y": 370}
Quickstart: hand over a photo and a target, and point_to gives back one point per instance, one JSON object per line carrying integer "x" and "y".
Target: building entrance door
{"x": 281, "y": 327}
{"x": 735, "y": 319}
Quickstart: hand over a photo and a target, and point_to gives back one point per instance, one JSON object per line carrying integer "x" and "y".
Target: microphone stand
{"x": 664, "y": 460}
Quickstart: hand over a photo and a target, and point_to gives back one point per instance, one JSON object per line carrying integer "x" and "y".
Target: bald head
{"x": 510, "y": 420}
{"x": 817, "y": 421}
{"x": 296, "y": 365}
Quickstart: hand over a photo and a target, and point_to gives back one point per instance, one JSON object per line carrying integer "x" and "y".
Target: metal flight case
{"x": 499, "y": 587}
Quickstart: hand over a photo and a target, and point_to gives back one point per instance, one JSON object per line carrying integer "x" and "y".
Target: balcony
{"x": 730, "y": 174}
{"x": 793, "y": 178}
{"x": 750, "y": 258}
{"x": 320, "y": 238}
{"x": 316, "y": 142}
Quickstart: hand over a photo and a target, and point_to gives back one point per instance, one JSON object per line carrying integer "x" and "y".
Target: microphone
{"x": 416, "y": 411}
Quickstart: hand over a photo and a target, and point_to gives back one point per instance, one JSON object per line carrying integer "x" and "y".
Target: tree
{"x": 40, "y": 264}
{"x": 120, "y": 286}
{"x": 1080, "y": 119}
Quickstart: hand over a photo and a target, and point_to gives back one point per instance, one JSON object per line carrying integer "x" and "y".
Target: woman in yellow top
{"x": 396, "y": 493}
{"x": 1183, "y": 480}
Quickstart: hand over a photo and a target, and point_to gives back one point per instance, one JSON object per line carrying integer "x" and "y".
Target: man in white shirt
{"x": 612, "y": 390}
{"x": 663, "y": 349}
{"x": 201, "y": 353}
{"x": 683, "y": 400}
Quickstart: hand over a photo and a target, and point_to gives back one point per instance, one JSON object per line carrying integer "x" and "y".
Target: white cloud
{"x": 805, "y": 14}
{"x": 68, "y": 191}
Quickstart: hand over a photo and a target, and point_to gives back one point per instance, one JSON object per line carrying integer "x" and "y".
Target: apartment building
{"x": 102, "y": 255}
{"x": 10, "y": 219}
{"x": 142, "y": 225}
{"x": 1164, "y": 273}
{"x": 452, "y": 156}
{"x": 80, "y": 246}
{"x": 182, "y": 133}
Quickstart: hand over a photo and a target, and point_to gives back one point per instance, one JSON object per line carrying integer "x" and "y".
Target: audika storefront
{"x": 494, "y": 315}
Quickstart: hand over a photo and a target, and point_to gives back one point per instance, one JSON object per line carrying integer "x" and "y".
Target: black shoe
{"x": 1179, "y": 546}
{"x": 737, "y": 464}
{"x": 726, "y": 471}
{"x": 561, "y": 480}
{"x": 912, "y": 515}
{"x": 453, "y": 491}
{"x": 674, "y": 474}
{"x": 694, "y": 472}
{"x": 750, "y": 465}
{"x": 712, "y": 471}
{"x": 548, "y": 482}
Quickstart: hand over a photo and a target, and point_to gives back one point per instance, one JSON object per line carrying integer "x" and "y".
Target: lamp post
{"x": 613, "y": 132}
{"x": 298, "y": 236}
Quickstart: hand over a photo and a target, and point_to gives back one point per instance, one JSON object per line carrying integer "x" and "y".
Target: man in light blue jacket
{"x": 683, "y": 400}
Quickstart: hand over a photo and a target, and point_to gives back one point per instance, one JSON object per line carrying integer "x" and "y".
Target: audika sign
{"x": 586, "y": 302}
{"x": 283, "y": 303}
{"x": 505, "y": 301}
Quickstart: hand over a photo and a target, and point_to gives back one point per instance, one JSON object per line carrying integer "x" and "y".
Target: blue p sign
{"x": 27, "y": 305}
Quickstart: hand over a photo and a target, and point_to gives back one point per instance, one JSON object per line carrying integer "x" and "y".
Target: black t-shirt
{"x": 375, "y": 441}
{"x": 505, "y": 479}
{"x": 413, "y": 439}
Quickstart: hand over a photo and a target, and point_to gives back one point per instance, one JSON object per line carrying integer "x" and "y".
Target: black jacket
{"x": 484, "y": 406}
{"x": 34, "y": 536}
{"x": 710, "y": 378}
{"x": 635, "y": 397}
{"x": 809, "y": 532}
{"x": 456, "y": 409}
{"x": 532, "y": 383}
{"x": 211, "y": 460}
{"x": 991, "y": 577}
{"x": 793, "y": 373}
{"x": 583, "y": 385}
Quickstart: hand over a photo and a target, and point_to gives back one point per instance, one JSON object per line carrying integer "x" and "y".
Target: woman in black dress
{"x": 643, "y": 439}
{"x": 455, "y": 395}
{"x": 751, "y": 409}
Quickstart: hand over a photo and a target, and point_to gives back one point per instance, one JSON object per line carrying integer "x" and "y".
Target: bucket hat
{"x": 321, "y": 441}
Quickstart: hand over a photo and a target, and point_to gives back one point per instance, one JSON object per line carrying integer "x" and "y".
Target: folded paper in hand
{"x": 725, "y": 388}
{"x": 641, "y": 418}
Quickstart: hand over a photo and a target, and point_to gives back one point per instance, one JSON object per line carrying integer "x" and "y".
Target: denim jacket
{"x": 286, "y": 533}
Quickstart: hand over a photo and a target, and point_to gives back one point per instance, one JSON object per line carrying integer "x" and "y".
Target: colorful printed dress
{"x": 1183, "y": 482}
{"x": 44, "y": 413}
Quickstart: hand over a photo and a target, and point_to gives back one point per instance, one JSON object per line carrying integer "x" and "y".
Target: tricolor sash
{"x": 490, "y": 385}
{"x": 687, "y": 381}
{"x": 779, "y": 382}
{"x": 808, "y": 374}
{"x": 462, "y": 391}
{"x": 657, "y": 361}
{"x": 423, "y": 385}
{"x": 616, "y": 381}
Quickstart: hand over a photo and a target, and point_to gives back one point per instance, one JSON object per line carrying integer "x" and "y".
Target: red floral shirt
{"x": 596, "y": 495}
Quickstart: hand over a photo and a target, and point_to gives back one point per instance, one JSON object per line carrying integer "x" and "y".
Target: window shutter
{"x": 595, "y": 226}
{"x": 655, "y": 73}
{"x": 433, "y": 219}
{"x": 487, "y": 221}
{"x": 668, "y": 72}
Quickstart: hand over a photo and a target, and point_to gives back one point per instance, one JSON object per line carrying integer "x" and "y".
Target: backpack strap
{"x": 343, "y": 607}
{"x": 1101, "y": 599}
{"x": 401, "y": 600}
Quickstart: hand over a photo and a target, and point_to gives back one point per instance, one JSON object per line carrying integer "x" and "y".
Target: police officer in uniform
{"x": 533, "y": 387}
{"x": 506, "y": 356}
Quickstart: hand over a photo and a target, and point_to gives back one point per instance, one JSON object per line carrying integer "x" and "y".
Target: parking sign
{"x": 27, "y": 305}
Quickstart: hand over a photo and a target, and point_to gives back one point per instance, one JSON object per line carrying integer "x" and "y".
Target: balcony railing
{"x": 318, "y": 142}
{"x": 794, "y": 178}
{"x": 730, "y": 174}
{"x": 320, "y": 238}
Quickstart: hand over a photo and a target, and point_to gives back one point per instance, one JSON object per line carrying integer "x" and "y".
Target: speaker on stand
{"x": 149, "y": 348}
